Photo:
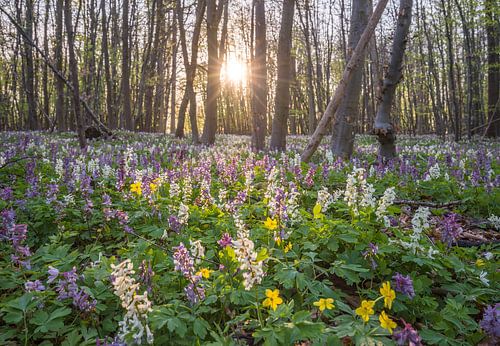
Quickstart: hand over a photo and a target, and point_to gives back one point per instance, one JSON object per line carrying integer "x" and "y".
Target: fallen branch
{"x": 12, "y": 161}
{"x": 427, "y": 204}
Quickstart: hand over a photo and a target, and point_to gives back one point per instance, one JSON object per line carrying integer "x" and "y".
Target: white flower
{"x": 197, "y": 251}
{"x": 495, "y": 221}
{"x": 484, "y": 279}
{"x": 384, "y": 202}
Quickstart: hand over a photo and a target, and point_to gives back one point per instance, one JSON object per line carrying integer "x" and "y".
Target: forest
{"x": 249, "y": 172}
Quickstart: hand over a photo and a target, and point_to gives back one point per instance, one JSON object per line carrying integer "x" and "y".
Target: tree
{"x": 493, "y": 41}
{"x": 383, "y": 127}
{"x": 259, "y": 78}
{"x": 333, "y": 105}
{"x": 282, "y": 98}
{"x": 343, "y": 134}
{"x": 59, "y": 59}
{"x": 73, "y": 70}
{"x": 29, "y": 69}
{"x": 214, "y": 13}
{"x": 110, "y": 97}
{"x": 127, "y": 119}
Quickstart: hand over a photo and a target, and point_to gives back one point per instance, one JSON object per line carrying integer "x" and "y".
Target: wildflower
{"x": 136, "y": 188}
{"x": 480, "y": 262}
{"x": 271, "y": 224}
{"x": 450, "y": 229}
{"x": 183, "y": 261}
{"x": 197, "y": 250}
{"x": 153, "y": 187}
{"x": 491, "y": 320}
{"x": 386, "y": 322}
{"x": 204, "y": 272}
{"x": 386, "y": 201}
{"x": 495, "y": 221}
{"x": 404, "y": 284}
{"x": 388, "y": 294}
{"x": 137, "y": 305}
{"x": 34, "y": 286}
{"x": 483, "y": 278}
{"x": 288, "y": 247}
{"x": 323, "y": 304}
{"x": 53, "y": 273}
{"x": 366, "y": 309}
{"x": 370, "y": 253}
{"x": 225, "y": 240}
{"x": 407, "y": 336}
{"x": 273, "y": 299}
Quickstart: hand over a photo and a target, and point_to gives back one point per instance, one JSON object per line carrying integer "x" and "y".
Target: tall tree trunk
{"x": 45, "y": 71}
{"x": 213, "y": 75}
{"x": 30, "y": 72}
{"x": 259, "y": 78}
{"x": 159, "y": 105}
{"x": 173, "y": 76}
{"x": 127, "y": 110}
{"x": 311, "y": 107}
{"x": 73, "y": 69}
{"x": 190, "y": 67}
{"x": 334, "y": 103}
{"x": 493, "y": 42}
{"x": 110, "y": 97}
{"x": 383, "y": 126}
{"x": 342, "y": 142}
{"x": 282, "y": 96}
{"x": 58, "y": 53}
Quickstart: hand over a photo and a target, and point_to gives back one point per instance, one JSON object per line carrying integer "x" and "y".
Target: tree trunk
{"x": 282, "y": 97}
{"x": 259, "y": 78}
{"x": 493, "y": 42}
{"x": 59, "y": 58}
{"x": 213, "y": 76}
{"x": 30, "y": 72}
{"x": 173, "y": 76}
{"x": 342, "y": 142}
{"x": 110, "y": 97}
{"x": 73, "y": 69}
{"x": 383, "y": 126}
{"x": 334, "y": 103}
{"x": 127, "y": 110}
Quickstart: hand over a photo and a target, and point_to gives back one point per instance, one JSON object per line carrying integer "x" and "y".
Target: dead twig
{"x": 427, "y": 204}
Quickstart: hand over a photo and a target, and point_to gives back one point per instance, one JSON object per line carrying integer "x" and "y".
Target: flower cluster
{"x": 366, "y": 309}
{"x": 135, "y": 321}
{"x": 403, "y": 284}
{"x": 450, "y": 229}
{"x": 67, "y": 287}
{"x": 358, "y": 193}
{"x": 184, "y": 263}
{"x": 16, "y": 234}
{"x": 407, "y": 336}
{"x": 491, "y": 320}
{"x": 384, "y": 202}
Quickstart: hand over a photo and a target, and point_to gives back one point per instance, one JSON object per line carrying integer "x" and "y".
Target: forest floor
{"x": 147, "y": 239}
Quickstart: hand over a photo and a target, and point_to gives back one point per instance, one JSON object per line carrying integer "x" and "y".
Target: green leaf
{"x": 199, "y": 328}
{"x": 317, "y": 211}
{"x": 262, "y": 255}
{"x": 178, "y": 326}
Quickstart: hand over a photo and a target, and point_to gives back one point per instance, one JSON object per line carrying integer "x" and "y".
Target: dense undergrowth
{"x": 147, "y": 239}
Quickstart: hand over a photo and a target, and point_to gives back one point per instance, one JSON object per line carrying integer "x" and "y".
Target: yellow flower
{"x": 480, "y": 262}
{"x": 273, "y": 299}
{"x": 153, "y": 187}
{"x": 288, "y": 247}
{"x": 136, "y": 187}
{"x": 366, "y": 309}
{"x": 323, "y": 304}
{"x": 204, "y": 272}
{"x": 388, "y": 294}
{"x": 271, "y": 224}
{"x": 386, "y": 322}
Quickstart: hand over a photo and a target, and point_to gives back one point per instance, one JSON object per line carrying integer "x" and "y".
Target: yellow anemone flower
{"x": 288, "y": 247}
{"x": 153, "y": 187}
{"x": 323, "y": 304}
{"x": 136, "y": 188}
{"x": 386, "y": 322}
{"x": 204, "y": 272}
{"x": 273, "y": 299}
{"x": 388, "y": 294}
{"x": 366, "y": 309}
{"x": 271, "y": 224}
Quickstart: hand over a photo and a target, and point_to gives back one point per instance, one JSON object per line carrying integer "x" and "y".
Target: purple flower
{"x": 183, "y": 261}
{"x": 403, "y": 284}
{"x": 53, "y": 274}
{"x": 194, "y": 293}
{"x": 407, "y": 336}
{"x": 106, "y": 200}
{"x": 6, "y": 193}
{"x": 450, "y": 229}
{"x": 174, "y": 223}
{"x": 491, "y": 320}
{"x": 225, "y": 240}
{"x": 370, "y": 253}
{"x": 36, "y": 285}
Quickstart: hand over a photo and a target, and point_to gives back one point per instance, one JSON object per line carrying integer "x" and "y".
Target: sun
{"x": 235, "y": 70}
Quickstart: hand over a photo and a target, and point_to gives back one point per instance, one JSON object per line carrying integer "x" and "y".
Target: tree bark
{"x": 282, "y": 97}
{"x": 127, "y": 119}
{"x": 30, "y": 72}
{"x": 259, "y": 78}
{"x": 73, "y": 69}
{"x": 383, "y": 126}
{"x": 334, "y": 103}
{"x": 342, "y": 143}
{"x": 110, "y": 97}
{"x": 493, "y": 43}
{"x": 59, "y": 59}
